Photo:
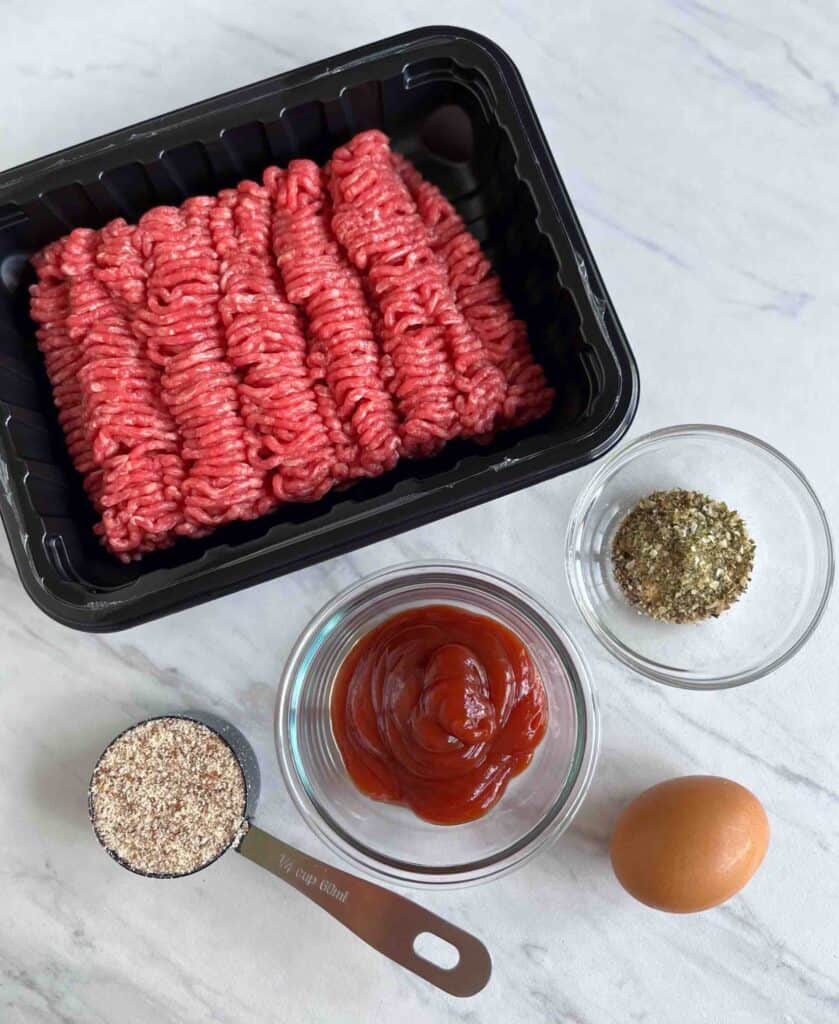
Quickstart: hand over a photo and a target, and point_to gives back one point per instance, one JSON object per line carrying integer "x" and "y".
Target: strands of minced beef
{"x": 50, "y": 307}
{"x": 444, "y": 383}
{"x": 120, "y": 264}
{"x": 423, "y": 381}
{"x": 121, "y": 268}
{"x": 184, "y": 337}
{"x": 135, "y": 516}
{"x": 131, "y": 435}
{"x": 343, "y": 350}
{"x": 265, "y": 342}
{"x": 346, "y": 451}
{"x": 481, "y": 300}
{"x": 235, "y": 301}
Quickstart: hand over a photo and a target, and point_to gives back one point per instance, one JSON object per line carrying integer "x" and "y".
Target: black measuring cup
{"x": 388, "y": 922}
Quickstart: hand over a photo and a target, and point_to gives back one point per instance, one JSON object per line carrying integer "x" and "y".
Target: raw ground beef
{"x": 270, "y": 343}
{"x": 344, "y": 354}
{"x": 481, "y": 300}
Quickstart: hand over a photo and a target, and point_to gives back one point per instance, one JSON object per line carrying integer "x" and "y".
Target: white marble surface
{"x": 699, "y": 142}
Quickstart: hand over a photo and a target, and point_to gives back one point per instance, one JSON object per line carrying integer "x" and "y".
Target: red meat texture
{"x": 225, "y": 357}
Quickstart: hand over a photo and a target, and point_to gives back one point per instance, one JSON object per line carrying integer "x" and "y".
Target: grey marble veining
{"x": 699, "y": 142}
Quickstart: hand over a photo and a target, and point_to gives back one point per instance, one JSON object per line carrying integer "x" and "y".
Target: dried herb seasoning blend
{"x": 680, "y": 556}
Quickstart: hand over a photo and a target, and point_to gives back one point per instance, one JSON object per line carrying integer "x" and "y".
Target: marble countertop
{"x": 699, "y": 143}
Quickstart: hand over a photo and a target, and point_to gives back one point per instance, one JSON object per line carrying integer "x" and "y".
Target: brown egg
{"x": 690, "y": 843}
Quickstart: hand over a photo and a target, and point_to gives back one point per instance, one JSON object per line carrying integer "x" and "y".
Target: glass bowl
{"x": 389, "y": 841}
{"x": 793, "y": 569}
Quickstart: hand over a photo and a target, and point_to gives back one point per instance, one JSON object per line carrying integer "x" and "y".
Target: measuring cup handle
{"x": 388, "y": 922}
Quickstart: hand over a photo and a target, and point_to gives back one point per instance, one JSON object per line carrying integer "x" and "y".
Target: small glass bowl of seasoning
{"x": 449, "y": 624}
{"x": 700, "y": 557}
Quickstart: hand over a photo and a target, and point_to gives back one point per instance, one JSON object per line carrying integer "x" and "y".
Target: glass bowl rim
{"x": 647, "y": 667}
{"x": 514, "y": 855}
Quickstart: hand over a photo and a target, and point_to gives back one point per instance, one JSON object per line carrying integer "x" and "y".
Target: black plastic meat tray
{"x": 455, "y": 104}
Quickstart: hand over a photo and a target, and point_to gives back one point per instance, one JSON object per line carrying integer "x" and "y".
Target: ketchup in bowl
{"x": 437, "y": 708}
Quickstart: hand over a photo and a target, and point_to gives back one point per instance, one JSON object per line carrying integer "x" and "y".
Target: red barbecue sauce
{"x": 438, "y": 708}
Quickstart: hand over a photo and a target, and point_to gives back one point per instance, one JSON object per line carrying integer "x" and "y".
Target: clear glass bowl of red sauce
{"x": 389, "y": 840}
